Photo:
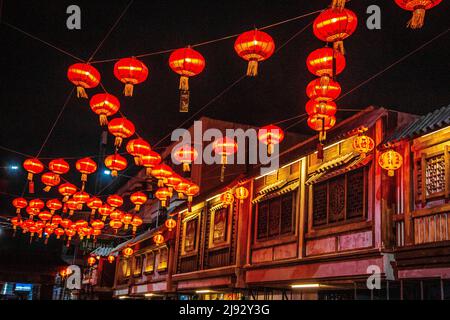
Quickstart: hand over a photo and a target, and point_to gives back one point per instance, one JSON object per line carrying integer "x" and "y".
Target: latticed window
{"x": 137, "y": 266}
{"x": 220, "y": 224}
{"x": 163, "y": 258}
{"x": 150, "y": 262}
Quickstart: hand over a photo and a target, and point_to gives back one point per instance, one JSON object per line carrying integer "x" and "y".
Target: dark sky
{"x": 34, "y": 84}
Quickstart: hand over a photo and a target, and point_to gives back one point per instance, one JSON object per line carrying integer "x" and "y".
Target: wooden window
{"x": 340, "y": 199}
{"x": 219, "y": 226}
{"x": 276, "y": 217}
{"x": 149, "y": 262}
{"x": 137, "y": 265}
{"x": 163, "y": 258}
{"x": 190, "y": 238}
{"x": 126, "y": 268}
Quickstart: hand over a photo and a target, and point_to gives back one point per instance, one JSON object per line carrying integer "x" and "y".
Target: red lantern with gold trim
{"x": 127, "y": 252}
{"x": 191, "y": 192}
{"x": 185, "y": 155}
{"x": 115, "y": 163}
{"x": 72, "y": 205}
{"x": 158, "y": 239}
{"x": 36, "y": 204}
{"x": 241, "y": 193}
{"x": 58, "y": 232}
{"x": 227, "y": 199}
{"x": 86, "y": 166}
{"x": 84, "y": 76}
{"x": 325, "y": 63}
{"x": 318, "y": 92}
{"x": 162, "y": 172}
{"x": 111, "y": 258}
{"x": 54, "y": 205}
{"x": 390, "y": 160}
{"x": 116, "y": 225}
{"x": 130, "y": 71}
{"x": 138, "y": 148}
{"x": 270, "y": 135}
{"x": 325, "y": 108}
{"x": 59, "y": 166}
{"x": 363, "y": 144}
{"x": 419, "y": 8}
{"x": 67, "y": 190}
{"x": 66, "y": 223}
{"x": 105, "y": 105}
{"x": 224, "y": 147}
{"x": 91, "y": 261}
{"x": 70, "y": 233}
{"x": 81, "y": 198}
{"x": 321, "y": 123}
{"x": 138, "y": 199}
{"x": 45, "y": 216}
{"x": 121, "y": 128}
{"x": 136, "y": 222}
{"x": 115, "y": 201}
{"x": 19, "y": 203}
{"x": 32, "y": 166}
{"x": 94, "y": 204}
{"x": 181, "y": 188}
{"x": 150, "y": 160}
{"x": 163, "y": 195}
{"x": 170, "y": 223}
{"x": 50, "y": 180}
{"x": 127, "y": 218}
{"x": 105, "y": 210}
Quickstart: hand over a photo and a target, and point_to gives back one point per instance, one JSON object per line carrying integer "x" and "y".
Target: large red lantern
{"x": 121, "y": 128}
{"x": 130, "y": 71}
{"x": 150, "y": 160}
{"x": 254, "y": 46}
{"x": 319, "y": 92}
{"x": 241, "y": 193}
{"x": 326, "y": 108}
{"x": 105, "y": 210}
{"x": 186, "y": 155}
{"x": 58, "y": 232}
{"x": 59, "y": 166}
{"x": 325, "y": 63}
{"x": 66, "y": 223}
{"x": 116, "y": 215}
{"x": 105, "y": 105}
{"x": 94, "y": 204}
{"x": 138, "y": 199}
{"x": 224, "y": 147}
{"x": 81, "y": 198}
{"x": 270, "y": 135}
{"x": 136, "y": 222}
{"x": 162, "y": 172}
{"x": 84, "y": 76}
{"x": 227, "y": 199}
{"x": 32, "y": 166}
{"x": 56, "y": 220}
{"x": 173, "y": 181}
{"x": 67, "y": 190}
{"x": 126, "y": 219}
{"x": 321, "y": 123}
{"x": 181, "y": 188}
{"x": 116, "y": 225}
{"x": 36, "y": 204}
{"x": 53, "y": 205}
{"x": 19, "y": 203}
{"x": 191, "y": 192}
{"x": 163, "y": 195}
{"x": 45, "y": 216}
{"x": 418, "y": 7}
{"x": 334, "y": 26}
{"x": 86, "y": 166}
{"x": 115, "y": 163}
{"x": 187, "y": 62}
{"x": 97, "y": 224}
{"x": 50, "y": 180}
{"x": 72, "y": 205}
{"x": 16, "y": 222}
{"x": 363, "y": 144}
{"x": 138, "y": 148}
{"x": 115, "y": 201}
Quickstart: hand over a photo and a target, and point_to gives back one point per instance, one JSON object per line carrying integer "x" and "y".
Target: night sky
{"x": 34, "y": 85}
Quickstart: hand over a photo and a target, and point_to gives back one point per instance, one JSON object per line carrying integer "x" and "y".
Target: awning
{"x": 103, "y": 251}
{"x": 269, "y": 188}
{"x": 143, "y": 236}
{"x": 286, "y": 188}
{"x": 218, "y": 206}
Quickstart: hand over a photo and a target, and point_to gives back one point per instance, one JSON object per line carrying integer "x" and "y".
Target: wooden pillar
{"x": 408, "y": 171}
{"x": 249, "y": 226}
{"x": 301, "y": 208}
{"x": 242, "y": 240}
{"x": 170, "y": 268}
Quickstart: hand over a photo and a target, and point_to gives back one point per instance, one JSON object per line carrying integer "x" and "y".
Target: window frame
{"x": 197, "y": 233}
{"x": 158, "y": 267}
{"x": 152, "y": 253}
{"x": 228, "y": 223}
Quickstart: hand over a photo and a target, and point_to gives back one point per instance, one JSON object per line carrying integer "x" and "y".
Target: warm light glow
{"x": 203, "y": 291}
{"x": 148, "y": 294}
{"x": 305, "y": 286}
{"x": 123, "y": 297}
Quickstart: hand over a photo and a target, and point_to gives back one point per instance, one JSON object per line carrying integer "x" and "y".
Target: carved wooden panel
{"x": 287, "y": 209}
{"x": 336, "y": 203}
{"x": 263, "y": 215}
{"x": 274, "y": 217}
{"x": 220, "y": 225}
{"x": 320, "y": 204}
{"x": 435, "y": 175}
{"x": 191, "y": 235}
{"x": 355, "y": 194}
{"x": 163, "y": 259}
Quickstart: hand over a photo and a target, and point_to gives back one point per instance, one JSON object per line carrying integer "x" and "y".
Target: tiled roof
{"x": 428, "y": 123}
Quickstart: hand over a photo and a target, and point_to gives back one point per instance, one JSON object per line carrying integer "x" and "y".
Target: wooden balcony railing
{"x": 431, "y": 228}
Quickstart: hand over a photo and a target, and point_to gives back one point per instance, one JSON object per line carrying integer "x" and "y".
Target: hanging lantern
{"x": 126, "y": 220}
{"x": 163, "y": 195}
{"x": 97, "y": 224}
{"x": 36, "y": 204}
{"x": 84, "y": 76}
{"x": 56, "y": 220}
{"x": 181, "y": 188}
{"x": 66, "y": 223}
{"x": 191, "y": 192}
{"x": 162, "y": 172}
{"x": 185, "y": 155}
{"x": 116, "y": 215}
{"x": 91, "y": 261}
{"x": 224, "y": 147}
{"x": 70, "y": 233}
{"x": 32, "y": 212}
{"x": 115, "y": 201}
{"x": 81, "y": 198}
{"x": 45, "y": 216}
{"x": 94, "y": 204}
{"x": 105, "y": 210}
{"x": 58, "y": 232}
{"x": 321, "y": 123}
{"x": 50, "y": 180}
{"x": 138, "y": 199}
{"x": 115, "y": 163}
{"x": 48, "y": 231}
{"x": 150, "y": 160}
{"x": 325, "y": 108}
{"x": 32, "y": 230}
{"x": 325, "y": 63}
{"x": 136, "y": 222}
{"x": 187, "y": 62}
{"x": 158, "y": 239}
{"x": 16, "y": 222}
{"x": 121, "y": 128}
{"x": 59, "y": 166}
{"x": 86, "y": 166}
{"x": 80, "y": 224}
{"x": 32, "y": 166}
{"x": 72, "y": 205}
{"x": 130, "y": 71}
{"x": 19, "y": 203}
{"x": 334, "y": 26}
{"x": 111, "y": 258}
{"x": 127, "y": 252}
{"x": 54, "y": 205}
{"x": 419, "y": 8}
{"x": 363, "y": 144}
{"x": 227, "y": 199}
{"x": 67, "y": 190}
{"x": 241, "y": 193}
{"x": 254, "y": 46}
{"x": 390, "y": 160}
{"x": 318, "y": 92}
{"x": 138, "y": 148}
{"x": 270, "y": 135}
{"x": 87, "y": 231}
{"x": 170, "y": 223}
{"x": 173, "y": 181}
{"x": 105, "y": 105}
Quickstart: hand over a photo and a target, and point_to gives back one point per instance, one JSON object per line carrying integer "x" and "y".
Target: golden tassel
{"x": 125, "y": 227}
{"x": 103, "y": 120}
{"x": 47, "y": 188}
{"x": 46, "y": 241}
{"x": 180, "y": 195}
{"x": 325, "y": 80}
{"x": 93, "y": 212}
{"x": 160, "y": 183}
{"x": 83, "y": 185}
{"x": 137, "y": 161}
{"x": 81, "y": 93}
{"x": 128, "y": 91}
{"x": 338, "y": 4}
{"x": 184, "y": 83}
{"x": 114, "y": 173}
{"x": 84, "y": 177}
{"x": 103, "y": 218}
{"x": 417, "y": 19}
{"x": 163, "y": 203}
{"x": 65, "y": 199}
{"x": 390, "y": 173}
{"x": 118, "y": 142}
{"x": 71, "y": 213}
{"x": 270, "y": 148}
{"x": 339, "y": 46}
{"x": 18, "y": 210}
{"x": 148, "y": 171}
{"x": 137, "y": 207}
{"x": 186, "y": 167}
{"x": 252, "y": 68}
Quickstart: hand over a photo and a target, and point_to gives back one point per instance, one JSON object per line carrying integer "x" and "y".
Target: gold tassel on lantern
{"x": 161, "y": 183}
{"x": 186, "y": 167}
{"x": 103, "y": 120}
{"x": 128, "y": 91}
{"x": 417, "y": 19}
{"x": 137, "y": 161}
{"x": 339, "y": 46}
{"x": 325, "y": 80}
{"x": 338, "y": 4}
{"x": 47, "y": 188}
{"x": 184, "y": 83}
{"x": 148, "y": 171}
{"x": 270, "y": 148}
{"x": 81, "y": 93}
{"x": 118, "y": 142}
{"x": 252, "y": 68}
{"x": 114, "y": 173}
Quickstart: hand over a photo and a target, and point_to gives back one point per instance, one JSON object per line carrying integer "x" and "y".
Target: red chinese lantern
{"x": 173, "y": 181}
{"x": 105, "y": 105}
{"x": 170, "y": 223}
{"x": 97, "y": 224}
{"x": 390, "y": 160}
{"x": 48, "y": 231}
{"x": 116, "y": 215}
{"x": 158, "y": 239}
{"x": 86, "y": 166}
{"x": 116, "y": 225}
{"x": 115, "y": 201}
{"x": 187, "y": 62}
{"x": 50, "y": 180}
{"x": 32, "y": 230}
{"x": 32, "y": 166}
{"x": 80, "y": 224}
{"x": 67, "y": 190}
{"x": 185, "y": 155}
{"x": 181, "y": 188}
{"x": 19, "y": 203}
{"x": 66, "y": 223}
{"x": 418, "y": 7}
{"x": 70, "y": 233}
{"x": 127, "y": 252}
{"x": 318, "y": 92}
{"x": 59, "y": 166}
{"x": 130, "y": 71}
{"x": 334, "y": 26}
{"x": 72, "y": 205}
{"x": 45, "y": 216}
{"x": 121, "y": 128}
{"x": 321, "y": 123}
{"x": 241, "y": 193}
{"x": 254, "y": 46}
{"x": 94, "y": 204}
{"x": 84, "y": 76}
{"x": 138, "y": 199}
{"x": 16, "y": 222}
{"x": 58, "y": 232}
{"x": 227, "y": 199}
{"x": 81, "y": 198}
{"x": 138, "y": 148}
{"x": 126, "y": 219}
{"x": 150, "y": 160}
{"x": 115, "y": 163}
{"x": 163, "y": 195}
{"x": 224, "y": 147}
{"x": 161, "y": 172}
{"x": 32, "y": 212}
{"x": 56, "y": 220}
{"x": 191, "y": 192}
{"x": 105, "y": 210}
{"x": 54, "y": 205}
{"x": 136, "y": 222}
{"x": 325, "y": 63}
{"x": 325, "y": 108}
{"x": 363, "y": 144}
{"x": 111, "y": 258}
{"x": 36, "y": 205}
{"x": 270, "y": 135}
{"x": 91, "y": 261}
{"x": 85, "y": 232}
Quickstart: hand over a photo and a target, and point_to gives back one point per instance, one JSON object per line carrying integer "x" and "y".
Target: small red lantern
{"x": 126, "y": 219}
{"x": 36, "y": 204}
{"x": 318, "y": 92}
{"x": 72, "y": 205}
{"x": 70, "y": 233}
{"x": 56, "y": 219}
{"x": 254, "y": 46}
{"x": 81, "y": 198}
{"x": 170, "y": 223}
{"x": 270, "y": 135}
{"x": 138, "y": 148}
{"x": 158, "y": 239}
{"x": 136, "y": 222}
{"x": 111, "y": 258}
{"x": 16, "y": 222}
{"x": 224, "y": 147}
{"x": 105, "y": 105}
{"x": 363, "y": 144}
{"x": 91, "y": 261}
{"x": 116, "y": 215}
{"x": 326, "y": 108}
{"x": 105, "y": 210}
{"x": 185, "y": 155}
{"x": 54, "y": 205}
{"x": 58, "y": 232}
{"x": 115, "y": 201}
{"x": 121, "y": 128}
{"x": 84, "y": 76}
{"x": 66, "y": 223}
{"x": 116, "y": 225}
{"x": 227, "y": 199}
{"x": 130, "y": 71}
{"x": 163, "y": 195}
{"x": 19, "y": 203}
{"x": 241, "y": 193}
{"x": 59, "y": 166}
{"x": 390, "y": 160}
{"x": 187, "y": 62}
{"x": 162, "y": 172}
{"x": 334, "y": 26}
{"x": 191, "y": 192}
{"x": 67, "y": 190}
{"x": 127, "y": 252}
{"x": 419, "y": 8}
{"x": 45, "y": 216}
{"x": 115, "y": 163}
{"x": 94, "y": 204}
{"x": 173, "y": 181}
{"x": 150, "y": 160}
{"x": 50, "y": 180}
{"x": 85, "y": 166}
{"x": 32, "y": 166}
{"x": 97, "y": 224}
{"x": 325, "y": 63}
{"x": 138, "y": 199}
{"x": 181, "y": 188}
